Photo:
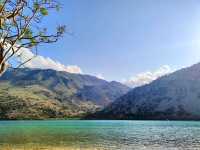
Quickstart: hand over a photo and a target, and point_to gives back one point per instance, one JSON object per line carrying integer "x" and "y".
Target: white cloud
{"x": 45, "y": 62}
{"x": 147, "y": 77}
{"x": 100, "y": 76}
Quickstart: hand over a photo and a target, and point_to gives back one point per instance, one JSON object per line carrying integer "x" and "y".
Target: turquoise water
{"x": 111, "y": 135}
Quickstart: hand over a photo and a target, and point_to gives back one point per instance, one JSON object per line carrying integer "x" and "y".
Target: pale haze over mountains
{"x": 41, "y": 62}
{"x": 147, "y": 77}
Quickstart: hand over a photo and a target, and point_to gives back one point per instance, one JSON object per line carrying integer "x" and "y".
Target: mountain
{"x": 39, "y": 94}
{"x": 175, "y": 96}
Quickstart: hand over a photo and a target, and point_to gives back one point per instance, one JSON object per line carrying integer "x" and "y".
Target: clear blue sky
{"x": 120, "y": 38}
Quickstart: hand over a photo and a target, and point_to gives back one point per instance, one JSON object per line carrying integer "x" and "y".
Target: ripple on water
{"x": 111, "y": 135}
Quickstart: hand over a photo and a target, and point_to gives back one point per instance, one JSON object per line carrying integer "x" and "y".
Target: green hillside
{"x": 44, "y": 94}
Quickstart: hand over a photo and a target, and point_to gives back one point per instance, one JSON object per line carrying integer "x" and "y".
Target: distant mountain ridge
{"x": 172, "y": 97}
{"x": 36, "y": 93}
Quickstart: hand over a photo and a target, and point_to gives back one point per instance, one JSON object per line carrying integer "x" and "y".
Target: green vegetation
{"x": 21, "y": 27}
{"x": 32, "y": 102}
{"x": 45, "y": 94}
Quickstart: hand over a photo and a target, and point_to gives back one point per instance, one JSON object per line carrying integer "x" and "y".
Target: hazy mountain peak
{"x": 173, "y": 96}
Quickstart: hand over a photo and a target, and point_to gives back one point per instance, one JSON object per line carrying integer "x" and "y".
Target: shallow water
{"x": 106, "y": 135}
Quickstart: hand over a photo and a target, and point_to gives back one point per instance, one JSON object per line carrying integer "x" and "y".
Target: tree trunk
{"x": 2, "y": 66}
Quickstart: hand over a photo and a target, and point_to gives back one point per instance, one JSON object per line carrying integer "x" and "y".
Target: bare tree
{"x": 21, "y": 27}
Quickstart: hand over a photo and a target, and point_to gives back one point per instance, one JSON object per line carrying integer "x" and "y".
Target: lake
{"x": 101, "y": 135}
